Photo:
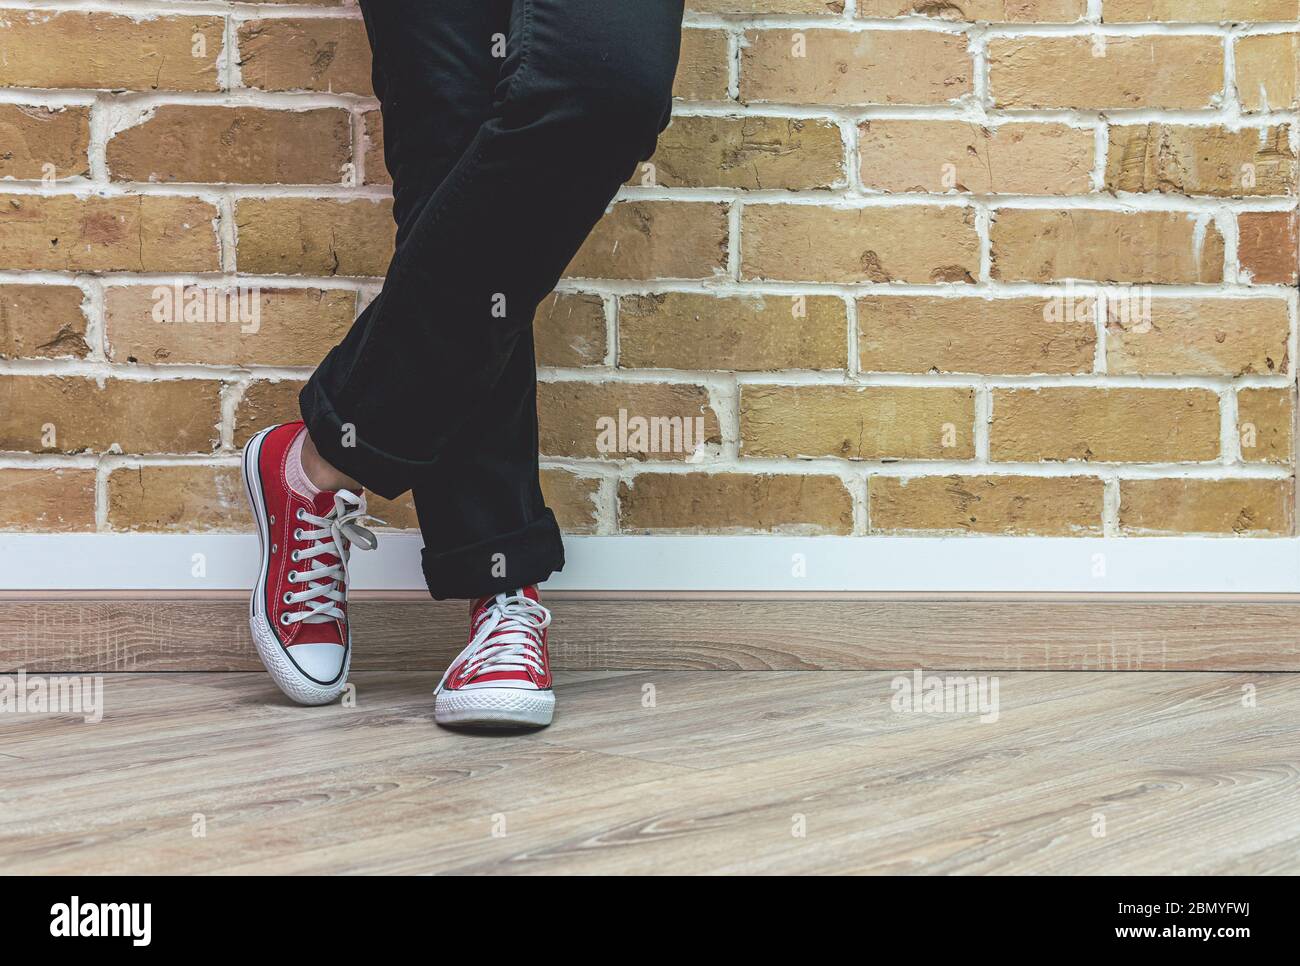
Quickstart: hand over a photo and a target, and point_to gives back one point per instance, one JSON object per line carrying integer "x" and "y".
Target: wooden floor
{"x": 721, "y": 774}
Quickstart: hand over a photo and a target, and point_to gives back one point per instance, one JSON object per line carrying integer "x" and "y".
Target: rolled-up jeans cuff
{"x": 497, "y": 565}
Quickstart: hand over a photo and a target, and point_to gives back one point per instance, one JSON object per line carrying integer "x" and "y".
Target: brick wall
{"x": 851, "y": 259}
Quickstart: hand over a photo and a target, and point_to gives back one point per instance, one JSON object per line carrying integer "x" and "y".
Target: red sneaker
{"x": 298, "y": 613}
{"x": 503, "y": 677}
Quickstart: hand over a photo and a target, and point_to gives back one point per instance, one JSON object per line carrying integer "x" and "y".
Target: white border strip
{"x": 204, "y": 562}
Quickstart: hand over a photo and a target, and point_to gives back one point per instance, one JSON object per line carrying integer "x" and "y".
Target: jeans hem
{"x": 497, "y": 565}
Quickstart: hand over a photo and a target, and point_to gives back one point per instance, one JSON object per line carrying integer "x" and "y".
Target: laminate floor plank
{"x": 665, "y": 771}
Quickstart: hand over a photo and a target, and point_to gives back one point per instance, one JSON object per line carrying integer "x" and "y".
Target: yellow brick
{"x": 569, "y": 330}
{"x": 1113, "y": 72}
{"x": 1230, "y": 337}
{"x": 1198, "y": 160}
{"x": 818, "y": 243}
{"x": 1266, "y": 71}
{"x": 702, "y": 71}
{"x": 1011, "y": 505}
{"x": 376, "y": 169}
{"x": 734, "y": 502}
{"x": 266, "y": 403}
{"x": 988, "y": 11}
{"x": 316, "y": 54}
{"x": 1046, "y": 245}
{"x": 876, "y": 423}
{"x": 215, "y": 326}
{"x": 845, "y": 68}
{"x": 47, "y": 499}
{"x": 181, "y": 499}
{"x": 939, "y": 156}
{"x": 1180, "y": 506}
{"x": 572, "y": 499}
{"x": 1266, "y": 425}
{"x": 616, "y": 420}
{"x": 314, "y": 236}
{"x": 96, "y": 234}
{"x": 680, "y": 330}
{"x": 103, "y": 51}
{"x": 243, "y": 145}
{"x": 69, "y": 414}
{"x": 655, "y": 239}
{"x": 745, "y": 152}
{"x": 1104, "y": 425}
{"x": 1200, "y": 11}
{"x": 42, "y": 322}
{"x": 43, "y": 142}
{"x": 917, "y": 333}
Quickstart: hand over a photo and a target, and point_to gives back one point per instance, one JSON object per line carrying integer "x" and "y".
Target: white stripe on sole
{"x": 501, "y": 707}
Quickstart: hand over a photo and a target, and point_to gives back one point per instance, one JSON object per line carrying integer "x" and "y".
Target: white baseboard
{"x": 206, "y": 562}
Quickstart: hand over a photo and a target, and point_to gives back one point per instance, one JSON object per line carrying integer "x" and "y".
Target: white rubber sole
{"x": 495, "y": 708}
{"x": 296, "y": 685}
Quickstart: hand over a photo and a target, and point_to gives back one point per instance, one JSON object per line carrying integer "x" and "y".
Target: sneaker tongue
{"x": 323, "y": 506}
{"x": 530, "y": 592}
{"x": 323, "y": 503}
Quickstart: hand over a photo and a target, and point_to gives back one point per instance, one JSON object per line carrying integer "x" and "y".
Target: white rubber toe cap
{"x": 321, "y": 662}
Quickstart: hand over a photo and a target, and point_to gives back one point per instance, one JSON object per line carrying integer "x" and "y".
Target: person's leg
{"x": 486, "y": 526}
{"x": 435, "y": 69}
{"x": 445, "y": 69}
{"x": 434, "y": 388}
{"x": 308, "y": 514}
{"x": 502, "y": 677}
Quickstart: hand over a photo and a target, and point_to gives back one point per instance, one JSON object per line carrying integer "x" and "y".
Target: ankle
{"x": 322, "y": 474}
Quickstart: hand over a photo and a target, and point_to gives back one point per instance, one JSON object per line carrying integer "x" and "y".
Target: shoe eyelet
{"x": 284, "y": 619}
{"x": 294, "y": 556}
{"x": 286, "y": 599}
{"x": 297, "y": 534}
{"x": 274, "y": 548}
{"x": 298, "y": 515}
{"x": 272, "y": 519}
{"x": 292, "y": 576}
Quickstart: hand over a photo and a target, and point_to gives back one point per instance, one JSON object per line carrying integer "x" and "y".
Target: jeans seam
{"x": 525, "y": 48}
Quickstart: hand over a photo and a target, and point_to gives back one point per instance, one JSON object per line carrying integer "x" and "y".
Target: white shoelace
{"x": 327, "y": 585}
{"x": 508, "y": 637}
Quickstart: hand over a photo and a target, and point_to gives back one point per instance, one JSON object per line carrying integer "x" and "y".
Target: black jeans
{"x": 509, "y": 125}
